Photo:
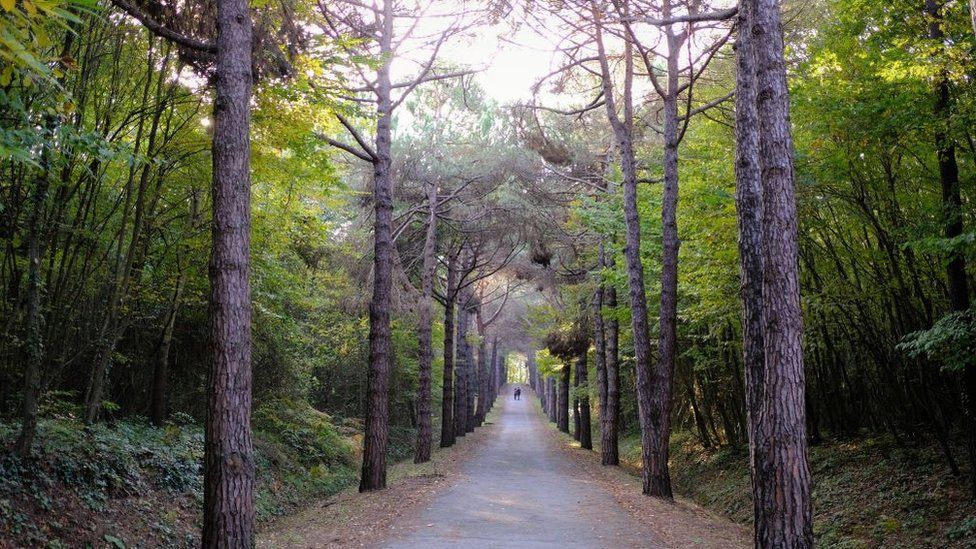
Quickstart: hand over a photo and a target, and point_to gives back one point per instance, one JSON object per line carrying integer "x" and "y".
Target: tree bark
{"x": 424, "y": 336}
{"x": 658, "y": 476}
{"x": 611, "y": 438}
{"x": 576, "y": 403}
{"x": 748, "y": 203}
{"x": 972, "y": 14}
{"x": 471, "y": 378}
{"x": 585, "y": 428}
{"x": 786, "y": 507}
{"x": 228, "y": 507}
{"x": 623, "y": 133}
{"x": 380, "y": 362}
{"x": 553, "y": 399}
{"x": 447, "y": 391}
{"x": 562, "y": 399}
{"x": 600, "y": 358}
{"x": 34, "y": 320}
{"x": 463, "y": 357}
{"x": 481, "y": 405}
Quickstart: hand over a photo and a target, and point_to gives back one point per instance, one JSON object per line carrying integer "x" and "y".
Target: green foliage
{"x": 305, "y": 432}
{"x": 301, "y": 455}
{"x": 97, "y": 470}
{"x": 951, "y": 341}
{"x": 27, "y": 47}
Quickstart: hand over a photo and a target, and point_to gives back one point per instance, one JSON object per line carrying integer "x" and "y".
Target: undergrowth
{"x": 130, "y": 484}
{"x": 867, "y": 492}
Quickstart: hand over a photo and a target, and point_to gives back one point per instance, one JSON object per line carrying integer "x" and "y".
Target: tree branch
{"x": 163, "y": 31}
{"x": 358, "y": 137}
{"x": 348, "y": 148}
{"x": 721, "y": 15}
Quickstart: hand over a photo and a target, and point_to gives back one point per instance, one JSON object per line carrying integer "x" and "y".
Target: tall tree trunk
{"x": 481, "y": 405}
{"x": 228, "y": 479}
{"x": 157, "y": 400}
{"x": 787, "y": 511}
{"x": 972, "y": 14}
{"x": 953, "y": 221}
{"x": 562, "y": 399}
{"x": 623, "y": 133}
{"x": 659, "y": 477}
{"x": 600, "y": 357}
{"x": 696, "y": 412}
{"x": 447, "y": 391}
{"x": 748, "y": 203}
{"x": 34, "y": 320}
{"x": 493, "y": 384}
{"x": 424, "y": 434}
{"x": 585, "y": 428}
{"x": 576, "y": 403}
{"x": 157, "y": 397}
{"x": 470, "y": 380}
{"x": 553, "y": 400}
{"x": 380, "y": 362}
{"x": 611, "y": 439}
{"x": 463, "y": 357}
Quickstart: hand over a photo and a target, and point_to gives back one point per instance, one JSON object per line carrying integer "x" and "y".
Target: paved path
{"x": 519, "y": 491}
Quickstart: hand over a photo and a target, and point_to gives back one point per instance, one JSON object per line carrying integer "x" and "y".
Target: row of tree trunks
{"x": 113, "y": 326}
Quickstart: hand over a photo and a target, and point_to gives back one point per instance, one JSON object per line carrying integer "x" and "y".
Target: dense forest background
{"x": 104, "y": 189}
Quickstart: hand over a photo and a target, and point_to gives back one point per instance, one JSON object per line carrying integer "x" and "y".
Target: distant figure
{"x": 518, "y": 393}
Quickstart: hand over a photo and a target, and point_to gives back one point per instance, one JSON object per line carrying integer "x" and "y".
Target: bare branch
{"x": 358, "y": 137}
{"x": 721, "y": 15}
{"x": 348, "y": 148}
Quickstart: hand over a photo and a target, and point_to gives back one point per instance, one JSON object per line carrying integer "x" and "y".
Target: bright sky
{"x": 511, "y": 62}
{"x": 512, "y": 69}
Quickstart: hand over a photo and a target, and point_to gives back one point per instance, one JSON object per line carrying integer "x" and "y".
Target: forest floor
{"x": 512, "y": 483}
{"x": 868, "y": 491}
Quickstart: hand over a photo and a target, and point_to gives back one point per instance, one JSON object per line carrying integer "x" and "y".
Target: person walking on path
{"x": 518, "y": 393}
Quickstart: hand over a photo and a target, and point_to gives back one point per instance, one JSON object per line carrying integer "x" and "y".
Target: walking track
{"x": 519, "y": 491}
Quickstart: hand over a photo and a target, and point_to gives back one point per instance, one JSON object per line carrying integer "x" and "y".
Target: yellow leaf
{"x": 8, "y": 5}
{"x": 29, "y": 8}
{"x": 6, "y": 76}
